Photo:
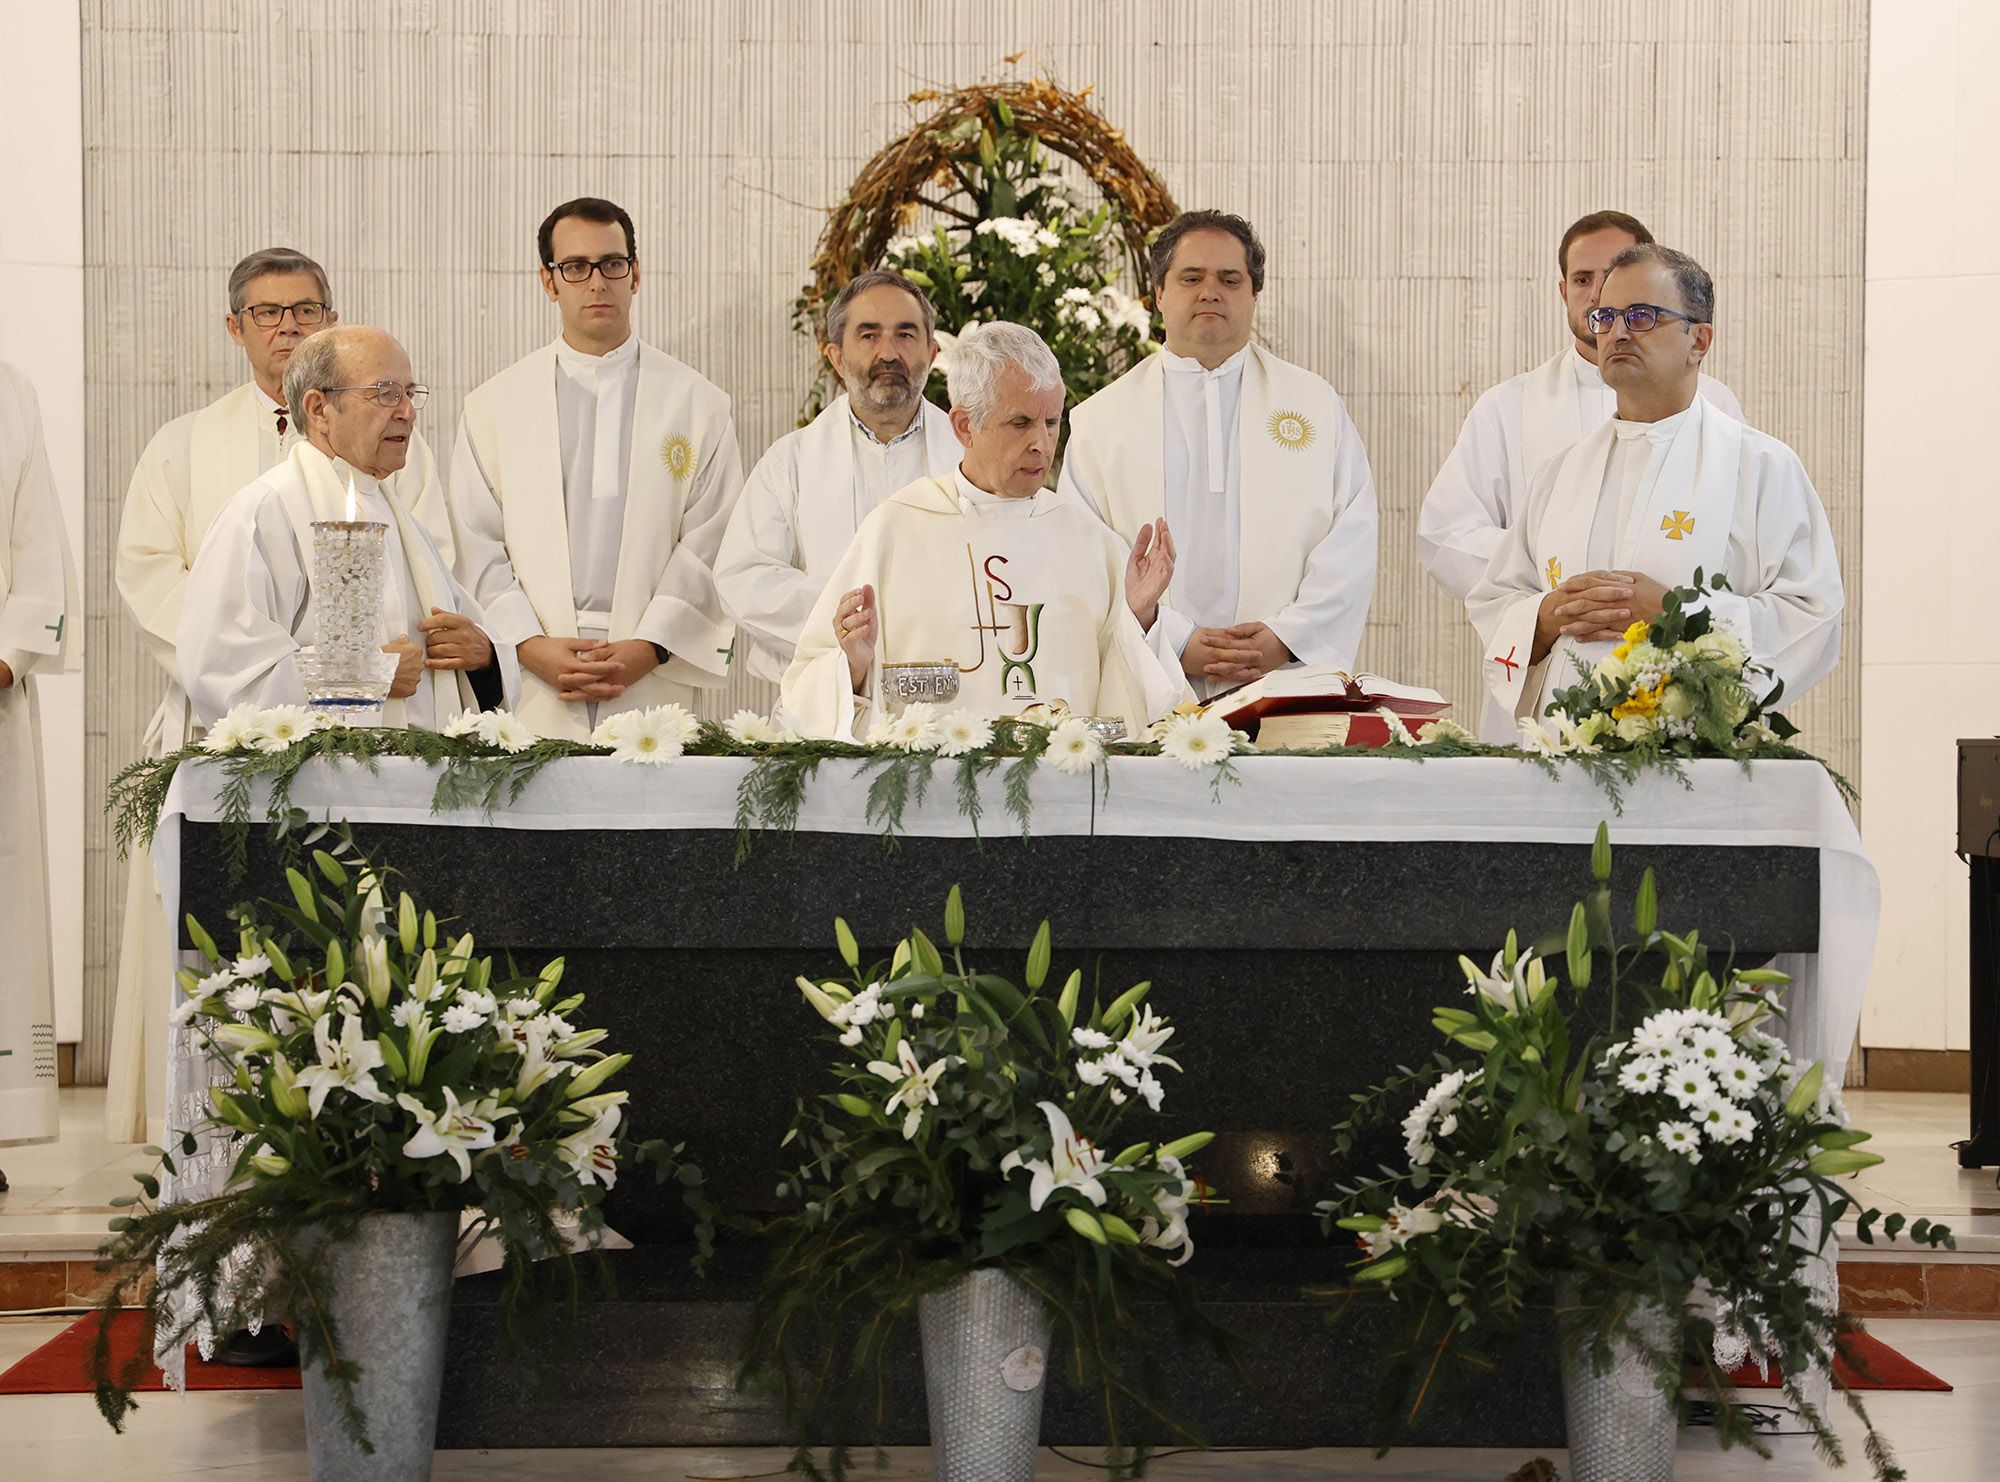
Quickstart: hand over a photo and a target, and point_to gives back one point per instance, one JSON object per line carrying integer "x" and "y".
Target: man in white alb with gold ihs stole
{"x": 590, "y": 486}
{"x": 1670, "y": 486}
{"x": 1252, "y": 461}
{"x": 1021, "y": 587}
{"x": 192, "y": 467}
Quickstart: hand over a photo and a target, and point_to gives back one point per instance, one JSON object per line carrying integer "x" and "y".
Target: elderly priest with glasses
{"x": 1670, "y": 486}
{"x": 1019, "y": 588}
{"x": 250, "y": 602}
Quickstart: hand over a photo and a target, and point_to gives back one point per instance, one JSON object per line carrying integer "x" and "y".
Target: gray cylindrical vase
{"x": 389, "y": 1295}
{"x": 986, "y": 1345}
{"x": 1622, "y": 1426}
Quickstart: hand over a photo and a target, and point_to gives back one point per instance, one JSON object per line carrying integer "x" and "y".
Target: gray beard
{"x": 883, "y": 397}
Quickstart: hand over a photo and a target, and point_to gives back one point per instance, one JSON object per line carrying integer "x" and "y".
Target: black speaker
{"x": 1979, "y": 844}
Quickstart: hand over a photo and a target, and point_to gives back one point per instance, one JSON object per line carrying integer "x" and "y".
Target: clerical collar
{"x": 364, "y": 483}
{"x": 916, "y": 426}
{"x": 611, "y": 360}
{"x": 1589, "y": 374}
{"x": 1187, "y": 365}
{"x": 1660, "y": 431}
{"x": 271, "y": 408}
{"x": 977, "y": 501}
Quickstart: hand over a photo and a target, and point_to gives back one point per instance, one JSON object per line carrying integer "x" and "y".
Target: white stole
{"x": 1680, "y": 522}
{"x": 826, "y": 523}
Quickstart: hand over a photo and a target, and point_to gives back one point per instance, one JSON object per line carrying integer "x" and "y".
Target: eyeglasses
{"x": 270, "y": 316}
{"x": 390, "y": 394}
{"x": 1638, "y": 318}
{"x": 579, "y": 269}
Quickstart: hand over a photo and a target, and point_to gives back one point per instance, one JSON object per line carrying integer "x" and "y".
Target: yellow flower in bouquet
{"x": 1639, "y": 702}
{"x": 1634, "y": 635}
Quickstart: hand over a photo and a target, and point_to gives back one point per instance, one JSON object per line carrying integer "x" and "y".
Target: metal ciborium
{"x": 933, "y": 681}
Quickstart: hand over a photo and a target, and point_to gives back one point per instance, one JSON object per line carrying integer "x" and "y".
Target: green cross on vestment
{"x": 56, "y": 627}
{"x": 729, "y": 653}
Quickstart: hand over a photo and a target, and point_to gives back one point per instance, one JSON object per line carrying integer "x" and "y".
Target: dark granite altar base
{"x": 657, "y": 1366}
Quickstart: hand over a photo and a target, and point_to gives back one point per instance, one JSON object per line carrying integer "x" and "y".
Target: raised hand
{"x": 854, "y": 631}
{"x": 1148, "y": 570}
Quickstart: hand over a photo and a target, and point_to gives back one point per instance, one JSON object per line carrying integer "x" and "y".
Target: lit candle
{"x": 350, "y": 497}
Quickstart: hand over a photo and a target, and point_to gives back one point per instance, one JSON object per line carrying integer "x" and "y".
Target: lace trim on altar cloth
{"x": 1732, "y": 1348}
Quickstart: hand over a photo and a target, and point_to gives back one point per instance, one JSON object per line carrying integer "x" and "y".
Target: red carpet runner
{"x": 61, "y": 1366}
{"x": 1861, "y": 1360}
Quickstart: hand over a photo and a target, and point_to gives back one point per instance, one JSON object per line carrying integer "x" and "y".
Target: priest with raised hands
{"x": 1671, "y": 485}
{"x": 1519, "y": 425}
{"x": 39, "y": 617}
{"x": 809, "y": 493}
{"x": 1252, "y": 461}
{"x": 1020, "y": 587}
{"x": 250, "y": 601}
{"x": 590, "y": 486}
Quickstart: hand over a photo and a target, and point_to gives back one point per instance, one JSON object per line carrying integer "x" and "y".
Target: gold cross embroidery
{"x": 1555, "y": 570}
{"x": 1678, "y": 525}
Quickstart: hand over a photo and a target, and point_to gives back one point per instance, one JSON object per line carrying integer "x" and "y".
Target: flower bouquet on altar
{"x": 381, "y": 1095}
{"x": 970, "y": 1159}
{"x": 1620, "y": 1119}
{"x": 1681, "y": 686}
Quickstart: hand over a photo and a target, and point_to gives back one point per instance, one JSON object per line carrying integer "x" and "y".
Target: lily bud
{"x": 1085, "y": 1224}
{"x": 588, "y": 1080}
{"x": 822, "y": 1005}
{"x": 1183, "y": 1148}
{"x": 1120, "y": 1232}
{"x": 375, "y": 969}
{"x": 271, "y": 1165}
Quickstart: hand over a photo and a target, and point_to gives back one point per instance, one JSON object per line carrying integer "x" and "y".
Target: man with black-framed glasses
{"x": 192, "y": 466}
{"x": 591, "y": 483}
{"x": 1520, "y": 424}
{"x": 1670, "y": 486}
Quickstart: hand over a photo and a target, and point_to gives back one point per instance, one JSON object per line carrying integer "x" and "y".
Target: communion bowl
{"x": 932, "y": 681}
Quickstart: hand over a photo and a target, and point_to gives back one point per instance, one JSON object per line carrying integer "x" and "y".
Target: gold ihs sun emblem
{"x": 678, "y": 454}
{"x": 1290, "y": 429}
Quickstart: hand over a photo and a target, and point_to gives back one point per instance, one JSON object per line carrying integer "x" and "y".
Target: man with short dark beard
{"x": 815, "y": 486}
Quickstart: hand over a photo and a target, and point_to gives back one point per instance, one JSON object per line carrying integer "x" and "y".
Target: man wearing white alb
{"x": 1518, "y": 425}
{"x": 809, "y": 493}
{"x": 590, "y": 486}
{"x": 1669, "y": 486}
{"x": 1253, "y": 462}
{"x": 250, "y": 603}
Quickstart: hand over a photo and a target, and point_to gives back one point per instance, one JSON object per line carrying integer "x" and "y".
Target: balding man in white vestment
{"x": 1520, "y": 424}
{"x": 1252, "y": 461}
{"x": 810, "y": 492}
{"x": 1669, "y": 486}
{"x": 38, "y": 621}
{"x": 590, "y": 486}
{"x": 1021, "y": 587}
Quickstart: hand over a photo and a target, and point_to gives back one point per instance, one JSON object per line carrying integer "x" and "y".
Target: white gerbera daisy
{"x": 649, "y": 736}
{"x": 280, "y": 726}
{"x": 748, "y": 728}
{"x": 504, "y": 730}
{"x": 611, "y": 730}
{"x": 465, "y": 723}
{"x": 233, "y": 732}
{"x": 964, "y": 731}
{"x": 1196, "y": 741}
{"x": 1073, "y": 749}
{"x": 916, "y": 729}
{"x": 681, "y": 723}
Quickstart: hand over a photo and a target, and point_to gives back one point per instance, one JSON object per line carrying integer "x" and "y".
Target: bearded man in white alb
{"x": 192, "y": 467}
{"x": 250, "y": 605}
{"x": 590, "y": 486}
{"x": 1022, "y": 587}
{"x": 38, "y": 617}
{"x": 1671, "y": 485}
{"x": 809, "y": 494}
{"x": 1251, "y": 460}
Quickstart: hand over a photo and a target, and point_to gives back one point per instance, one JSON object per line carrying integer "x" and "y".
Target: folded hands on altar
{"x": 584, "y": 669}
{"x": 1234, "y": 655}
{"x": 1596, "y": 607}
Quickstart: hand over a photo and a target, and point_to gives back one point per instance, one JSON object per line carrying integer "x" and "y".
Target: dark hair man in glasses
{"x": 191, "y": 468}
{"x": 1522, "y": 423}
{"x": 1671, "y": 485}
{"x": 591, "y": 484}
{"x": 252, "y": 603}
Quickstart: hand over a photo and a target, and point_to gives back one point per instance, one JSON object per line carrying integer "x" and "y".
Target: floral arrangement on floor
{"x": 966, "y": 1124}
{"x": 1011, "y": 239}
{"x": 1639, "y": 1131}
{"x": 1677, "y": 687}
{"x": 368, "y": 1061}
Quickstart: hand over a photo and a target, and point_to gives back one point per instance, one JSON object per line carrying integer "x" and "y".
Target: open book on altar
{"x": 1313, "y": 706}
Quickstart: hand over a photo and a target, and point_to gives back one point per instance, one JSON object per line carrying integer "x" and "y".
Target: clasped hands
{"x": 584, "y": 669}
{"x": 1595, "y": 607}
{"x": 451, "y": 640}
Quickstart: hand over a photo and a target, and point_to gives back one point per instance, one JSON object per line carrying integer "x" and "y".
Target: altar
{"x": 1299, "y": 921}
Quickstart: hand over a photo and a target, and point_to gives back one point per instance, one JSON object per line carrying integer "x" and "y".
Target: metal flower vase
{"x": 389, "y": 1295}
{"x": 1622, "y": 1426}
{"x": 986, "y": 1344}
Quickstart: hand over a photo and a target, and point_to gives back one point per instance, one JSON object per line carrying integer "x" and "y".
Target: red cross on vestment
{"x": 1510, "y": 663}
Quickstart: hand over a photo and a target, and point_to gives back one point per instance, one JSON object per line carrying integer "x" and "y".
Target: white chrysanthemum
{"x": 243, "y": 998}
{"x": 1660, "y": 1034}
{"x": 233, "y": 732}
{"x": 1196, "y": 741}
{"x": 280, "y": 726}
{"x": 253, "y": 965}
{"x": 1689, "y": 1085}
{"x": 649, "y": 736}
{"x": 748, "y": 728}
{"x": 611, "y": 730}
{"x": 916, "y": 729}
{"x": 1706, "y": 1046}
{"x": 1073, "y": 749}
{"x": 504, "y": 730}
{"x": 1681, "y": 1137}
{"x": 1641, "y": 1075}
{"x": 1734, "y": 1125}
{"x": 964, "y": 731}
{"x": 404, "y": 1012}
{"x": 462, "y": 1018}
{"x": 1075, "y": 296}
{"x": 1738, "y": 1075}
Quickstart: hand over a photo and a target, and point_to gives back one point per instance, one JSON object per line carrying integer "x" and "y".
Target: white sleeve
{"x": 1469, "y": 505}
{"x": 1789, "y": 614}
{"x": 152, "y": 560}
{"x": 479, "y": 538}
{"x": 1325, "y": 621}
{"x": 685, "y": 616}
{"x": 39, "y": 611}
{"x": 758, "y": 569}
{"x": 247, "y": 589}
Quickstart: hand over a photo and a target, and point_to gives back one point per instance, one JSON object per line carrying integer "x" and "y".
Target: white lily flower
{"x": 347, "y": 1064}
{"x": 538, "y": 1066}
{"x": 1173, "y": 1202}
{"x": 1143, "y": 1041}
{"x": 1073, "y": 1163}
{"x": 232, "y": 732}
{"x": 915, "y": 1083}
{"x": 459, "y": 1129}
{"x": 592, "y": 1152}
{"x": 1506, "y": 991}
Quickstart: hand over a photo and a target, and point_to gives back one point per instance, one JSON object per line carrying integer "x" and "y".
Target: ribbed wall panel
{"x": 1409, "y": 163}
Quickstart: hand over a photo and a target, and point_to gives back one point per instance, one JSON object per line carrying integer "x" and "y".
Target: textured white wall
{"x": 1409, "y": 165}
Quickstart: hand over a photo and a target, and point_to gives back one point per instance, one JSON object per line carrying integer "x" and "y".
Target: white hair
{"x": 982, "y": 351}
